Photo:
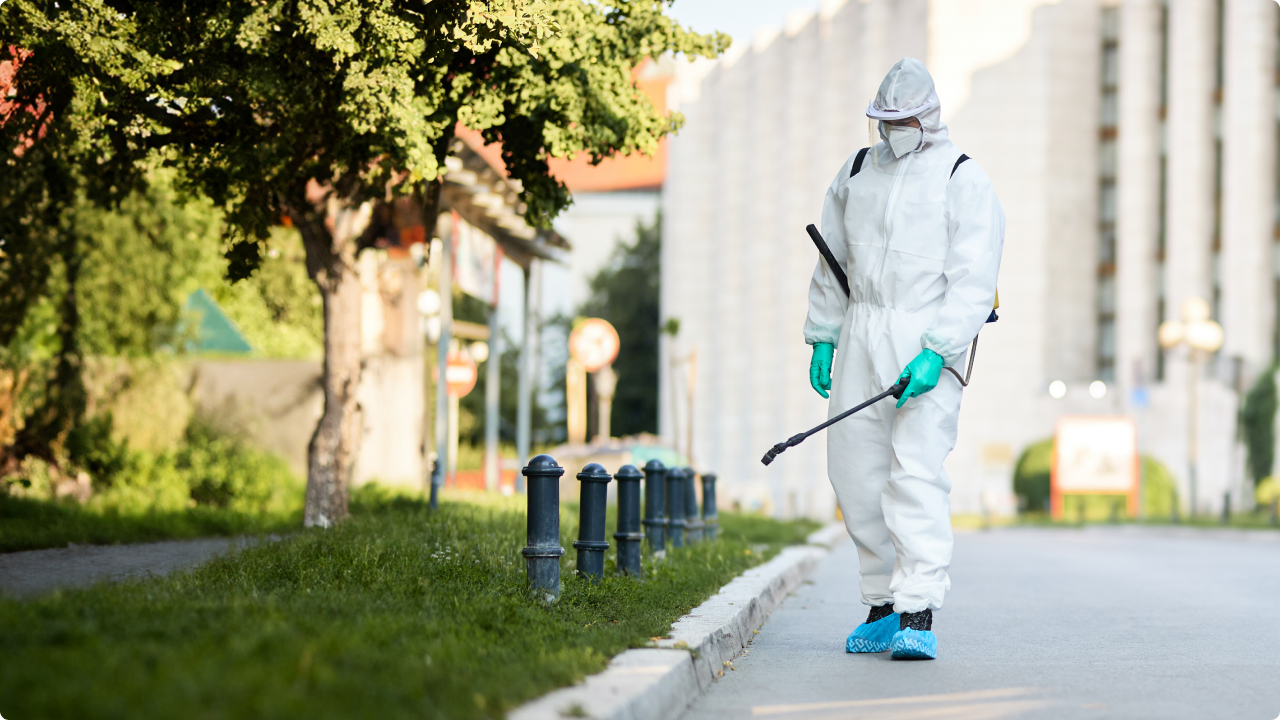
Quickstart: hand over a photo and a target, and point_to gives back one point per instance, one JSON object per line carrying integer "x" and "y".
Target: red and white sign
{"x": 594, "y": 343}
{"x": 460, "y": 375}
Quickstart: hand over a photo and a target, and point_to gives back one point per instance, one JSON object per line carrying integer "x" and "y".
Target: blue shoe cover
{"x": 914, "y": 645}
{"x": 873, "y": 637}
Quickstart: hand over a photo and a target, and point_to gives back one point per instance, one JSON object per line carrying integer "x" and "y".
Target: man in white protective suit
{"x": 919, "y": 231}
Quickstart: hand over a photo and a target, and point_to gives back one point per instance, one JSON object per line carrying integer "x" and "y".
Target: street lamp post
{"x": 1203, "y": 337}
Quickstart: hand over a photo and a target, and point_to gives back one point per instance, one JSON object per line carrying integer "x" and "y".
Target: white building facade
{"x": 1133, "y": 146}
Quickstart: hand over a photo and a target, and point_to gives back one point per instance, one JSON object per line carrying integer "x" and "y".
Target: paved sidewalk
{"x": 1100, "y": 623}
{"x": 32, "y": 572}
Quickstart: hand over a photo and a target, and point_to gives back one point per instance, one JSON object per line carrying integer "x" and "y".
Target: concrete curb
{"x": 659, "y": 682}
{"x": 829, "y": 536}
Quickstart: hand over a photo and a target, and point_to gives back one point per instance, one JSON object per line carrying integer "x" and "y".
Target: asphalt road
{"x": 1122, "y": 623}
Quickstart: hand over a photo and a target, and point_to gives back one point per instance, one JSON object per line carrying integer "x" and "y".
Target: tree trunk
{"x": 331, "y": 237}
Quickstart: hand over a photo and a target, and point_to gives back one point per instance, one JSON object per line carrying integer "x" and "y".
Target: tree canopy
{"x": 304, "y": 109}
{"x": 254, "y": 99}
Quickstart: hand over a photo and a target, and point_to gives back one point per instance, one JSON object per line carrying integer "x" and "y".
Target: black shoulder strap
{"x": 959, "y": 160}
{"x": 857, "y": 162}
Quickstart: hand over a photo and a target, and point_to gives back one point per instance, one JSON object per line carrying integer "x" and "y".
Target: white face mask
{"x": 902, "y": 138}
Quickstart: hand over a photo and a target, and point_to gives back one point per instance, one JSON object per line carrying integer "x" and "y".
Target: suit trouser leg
{"x": 859, "y": 463}
{"x": 916, "y": 501}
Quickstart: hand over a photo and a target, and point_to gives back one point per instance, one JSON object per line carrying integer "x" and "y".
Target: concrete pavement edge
{"x": 659, "y": 682}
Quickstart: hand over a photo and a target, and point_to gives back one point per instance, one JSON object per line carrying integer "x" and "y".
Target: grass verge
{"x": 398, "y": 613}
{"x": 33, "y": 524}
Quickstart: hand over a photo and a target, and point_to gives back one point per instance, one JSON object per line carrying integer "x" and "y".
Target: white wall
{"x": 767, "y": 127}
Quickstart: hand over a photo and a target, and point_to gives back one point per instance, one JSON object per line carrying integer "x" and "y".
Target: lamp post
{"x": 1202, "y": 337}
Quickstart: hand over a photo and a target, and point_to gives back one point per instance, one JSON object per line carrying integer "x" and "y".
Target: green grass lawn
{"x": 34, "y": 524}
{"x": 399, "y": 612}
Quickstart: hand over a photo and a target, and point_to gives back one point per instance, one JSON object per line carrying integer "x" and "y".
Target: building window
{"x": 1215, "y": 243}
{"x": 1107, "y": 126}
{"x": 1162, "y": 223}
{"x": 1275, "y": 232}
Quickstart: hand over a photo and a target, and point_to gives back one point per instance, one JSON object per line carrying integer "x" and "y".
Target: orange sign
{"x": 594, "y": 343}
{"x": 460, "y": 375}
{"x": 1094, "y": 455}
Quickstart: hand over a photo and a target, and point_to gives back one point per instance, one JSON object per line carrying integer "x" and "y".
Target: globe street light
{"x": 1202, "y": 337}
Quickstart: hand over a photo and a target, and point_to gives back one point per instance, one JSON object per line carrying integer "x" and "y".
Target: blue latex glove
{"x": 820, "y": 368}
{"x": 922, "y": 372}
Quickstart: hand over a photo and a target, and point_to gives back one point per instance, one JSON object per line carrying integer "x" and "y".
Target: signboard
{"x": 476, "y": 261}
{"x": 594, "y": 343}
{"x": 1095, "y": 455}
{"x": 460, "y": 375}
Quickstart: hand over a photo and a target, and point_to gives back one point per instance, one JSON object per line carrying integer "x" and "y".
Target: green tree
{"x": 134, "y": 267}
{"x": 1258, "y": 425}
{"x": 625, "y": 292}
{"x": 318, "y": 110}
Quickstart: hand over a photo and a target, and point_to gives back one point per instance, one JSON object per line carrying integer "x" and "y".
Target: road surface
{"x": 1107, "y": 622}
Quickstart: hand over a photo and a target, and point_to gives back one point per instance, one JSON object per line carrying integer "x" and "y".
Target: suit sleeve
{"x": 975, "y": 223}
{"x": 827, "y": 301}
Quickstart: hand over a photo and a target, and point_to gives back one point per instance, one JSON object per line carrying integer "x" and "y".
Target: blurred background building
{"x": 1133, "y": 146}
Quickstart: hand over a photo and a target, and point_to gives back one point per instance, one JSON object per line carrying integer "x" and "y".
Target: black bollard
{"x": 675, "y": 507}
{"x": 655, "y": 479}
{"x": 628, "y": 535}
{"x": 710, "y": 518}
{"x": 542, "y": 556}
{"x": 692, "y": 523}
{"x": 591, "y": 543}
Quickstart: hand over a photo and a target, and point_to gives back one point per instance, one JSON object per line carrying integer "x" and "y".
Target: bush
{"x": 1257, "y": 421}
{"x": 1031, "y": 476}
{"x": 91, "y": 448}
{"x": 222, "y": 471}
{"x": 1159, "y": 491}
{"x": 209, "y": 468}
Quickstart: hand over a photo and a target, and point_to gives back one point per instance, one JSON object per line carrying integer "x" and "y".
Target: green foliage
{"x": 625, "y": 292}
{"x": 250, "y": 100}
{"x": 1031, "y": 476}
{"x": 224, "y": 472}
{"x": 277, "y": 309}
{"x": 1159, "y": 490}
{"x": 118, "y": 291}
{"x": 141, "y": 261}
{"x": 254, "y": 103}
{"x": 398, "y": 613}
{"x": 91, "y": 447}
{"x": 1258, "y": 425}
{"x": 217, "y": 477}
{"x": 1266, "y": 493}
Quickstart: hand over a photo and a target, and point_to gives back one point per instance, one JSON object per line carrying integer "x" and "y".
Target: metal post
{"x": 628, "y": 535}
{"x": 445, "y": 289}
{"x": 1193, "y": 444}
{"x": 675, "y": 507}
{"x": 710, "y": 517}
{"x": 655, "y": 479}
{"x": 591, "y": 543}
{"x": 606, "y": 384}
{"x": 492, "y": 383}
{"x": 542, "y": 556}
{"x": 524, "y": 403}
{"x": 692, "y": 523}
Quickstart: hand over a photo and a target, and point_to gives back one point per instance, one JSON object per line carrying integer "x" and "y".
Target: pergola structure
{"x": 477, "y": 188}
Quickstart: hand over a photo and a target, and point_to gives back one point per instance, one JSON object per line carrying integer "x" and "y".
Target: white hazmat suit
{"x": 921, "y": 248}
